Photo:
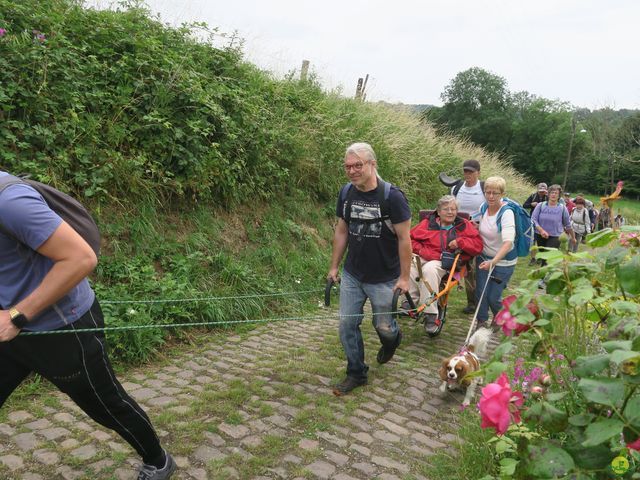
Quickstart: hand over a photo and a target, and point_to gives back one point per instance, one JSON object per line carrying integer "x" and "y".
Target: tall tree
{"x": 476, "y": 104}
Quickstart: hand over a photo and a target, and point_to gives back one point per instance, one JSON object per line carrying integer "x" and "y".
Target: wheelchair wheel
{"x": 442, "y": 312}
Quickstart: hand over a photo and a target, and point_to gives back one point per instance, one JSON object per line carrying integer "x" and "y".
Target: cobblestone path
{"x": 256, "y": 405}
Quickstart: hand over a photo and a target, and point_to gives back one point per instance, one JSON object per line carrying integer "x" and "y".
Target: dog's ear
{"x": 471, "y": 348}
{"x": 464, "y": 380}
{"x": 443, "y": 370}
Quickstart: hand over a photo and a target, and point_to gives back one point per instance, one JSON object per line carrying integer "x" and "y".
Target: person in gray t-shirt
{"x": 470, "y": 195}
{"x": 44, "y": 264}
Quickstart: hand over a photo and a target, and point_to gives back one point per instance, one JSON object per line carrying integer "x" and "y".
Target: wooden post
{"x": 359, "y": 88}
{"x": 364, "y": 87}
{"x": 304, "y": 70}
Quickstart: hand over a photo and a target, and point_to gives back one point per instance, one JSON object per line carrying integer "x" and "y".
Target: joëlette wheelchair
{"x": 441, "y": 295}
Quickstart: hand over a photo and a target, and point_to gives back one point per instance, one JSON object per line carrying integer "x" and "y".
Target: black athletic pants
{"x": 550, "y": 242}
{"x": 77, "y": 364}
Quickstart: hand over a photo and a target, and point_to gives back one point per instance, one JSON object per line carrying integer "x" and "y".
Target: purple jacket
{"x": 554, "y": 220}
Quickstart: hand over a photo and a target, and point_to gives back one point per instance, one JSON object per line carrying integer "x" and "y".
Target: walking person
{"x": 539, "y": 196}
{"x": 43, "y": 286}
{"x": 435, "y": 242}
{"x": 499, "y": 257}
{"x": 470, "y": 195}
{"x": 580, "y": 223}
{"x": 550, "y": 219}
{"x": 373, "y": 228}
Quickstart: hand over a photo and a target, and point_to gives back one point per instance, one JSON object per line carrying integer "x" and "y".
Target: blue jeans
{"x": 493, "y": 294}
{"x": 353, "y": 295}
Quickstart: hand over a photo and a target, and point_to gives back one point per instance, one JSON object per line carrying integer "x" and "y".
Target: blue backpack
{"x": 524, "y": 227}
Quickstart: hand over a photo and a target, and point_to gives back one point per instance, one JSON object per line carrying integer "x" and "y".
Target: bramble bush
{"x": 572, "y": 406}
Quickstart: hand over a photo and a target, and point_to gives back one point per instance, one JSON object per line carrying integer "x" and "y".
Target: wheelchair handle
{"x": 396, "y": 296}
{"x": 327, "y": 292}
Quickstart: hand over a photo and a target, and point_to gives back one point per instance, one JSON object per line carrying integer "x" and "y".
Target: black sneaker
{"x": 150, "y": 472}
{"x": 431, "y": 323}
{"x": 532, "y": 262}
{"x": 348, "y": 384}
{"x": 405, "y": 309}
{"x": 386, "y": 353}
{"x": 469, "y": 309}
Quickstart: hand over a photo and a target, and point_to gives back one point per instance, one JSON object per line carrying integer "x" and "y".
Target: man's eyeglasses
{"x": 353, "y": 166}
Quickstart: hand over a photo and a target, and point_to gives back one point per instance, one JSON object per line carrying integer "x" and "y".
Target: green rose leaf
{"x": 632, "y": 411}
{"x": 541, "y": 323}
{"x": 617, "y": 345}
{"x": 554, "y": 397}
{"x": 620, "y": 356}
{"x": 624, "y": 306}
{"x": 556, "y": 286}
{"x": 552, "y": 419}
{"x": 581, "y": 296}
{"x": 581, "y": 420}
{"x": 493, "y": 371}
{"x": 601, "y": 238}
{"x": 629, "y": 275}
{"x": 588, "y": 366}
{"x": 502, "y": 350}
{"x": 615, "y": 257}
{"x": 551, "y": 256}
{"x": 603, "y": 390}
{"x": 547, "y": 460}
{"x": 601, "y": 431}
{"x": 508, "y": 466}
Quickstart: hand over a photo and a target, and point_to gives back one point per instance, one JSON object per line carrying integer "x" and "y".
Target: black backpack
{"x": 68, "y": 208}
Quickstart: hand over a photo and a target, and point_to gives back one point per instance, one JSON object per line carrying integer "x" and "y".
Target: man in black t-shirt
{"x": 373, "y": 227}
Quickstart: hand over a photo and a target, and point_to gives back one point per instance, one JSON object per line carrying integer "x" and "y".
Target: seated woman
{"x": 442, "y": 231}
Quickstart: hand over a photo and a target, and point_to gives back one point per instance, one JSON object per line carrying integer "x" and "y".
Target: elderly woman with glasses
{"x": 441, "y": 232}
{"x": 499, "y": 257}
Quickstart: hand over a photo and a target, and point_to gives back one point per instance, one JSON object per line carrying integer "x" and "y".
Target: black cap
{"x": 472, "y": 165}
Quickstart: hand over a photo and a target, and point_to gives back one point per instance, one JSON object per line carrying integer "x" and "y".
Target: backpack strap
{"x": 457, "y": 187}
{"x": 7, "y": 181}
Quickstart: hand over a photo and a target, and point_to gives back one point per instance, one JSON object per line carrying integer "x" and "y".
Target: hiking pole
{"x": 475, "y": 315}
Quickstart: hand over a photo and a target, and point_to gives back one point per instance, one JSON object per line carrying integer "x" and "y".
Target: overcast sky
{"x": 585, "y": 52}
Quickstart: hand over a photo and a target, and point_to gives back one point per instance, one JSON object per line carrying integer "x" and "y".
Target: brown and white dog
{"x": 454, "y": 370}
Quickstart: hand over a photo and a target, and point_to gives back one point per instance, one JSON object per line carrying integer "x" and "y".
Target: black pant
{"x": 551, "y": 242}
{"x": 78, "y": 365}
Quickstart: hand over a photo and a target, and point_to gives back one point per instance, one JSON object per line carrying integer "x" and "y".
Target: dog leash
{"x": 475, "y": 315}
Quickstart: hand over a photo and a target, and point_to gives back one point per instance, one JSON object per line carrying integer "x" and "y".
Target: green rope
{"x": 195, "y": 324}
{"x": 208, "y": 299}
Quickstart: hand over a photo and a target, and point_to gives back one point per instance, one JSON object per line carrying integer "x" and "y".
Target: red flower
{"x": 499, "y": 405}
{"x": 508, "y": 322}
{"x": 634, "y": 445}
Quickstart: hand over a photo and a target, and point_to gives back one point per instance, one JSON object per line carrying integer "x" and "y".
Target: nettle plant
{"x": 568, "y": 402}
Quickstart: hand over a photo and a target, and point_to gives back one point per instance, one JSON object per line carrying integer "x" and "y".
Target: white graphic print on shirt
{"x": 365, "y": 211}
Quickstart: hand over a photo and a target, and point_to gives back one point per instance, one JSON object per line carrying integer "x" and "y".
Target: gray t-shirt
{"x": 25, "y": 214}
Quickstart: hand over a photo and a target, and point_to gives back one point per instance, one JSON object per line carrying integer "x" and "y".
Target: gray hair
{"x": 361, "y": 150}
{"x": 445, "y": 200}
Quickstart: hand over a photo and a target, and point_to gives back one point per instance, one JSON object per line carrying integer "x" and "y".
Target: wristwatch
{"x": 18, "y": 319}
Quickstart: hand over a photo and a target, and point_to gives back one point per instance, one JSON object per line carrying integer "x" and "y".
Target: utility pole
{"x": 566, "y": 165}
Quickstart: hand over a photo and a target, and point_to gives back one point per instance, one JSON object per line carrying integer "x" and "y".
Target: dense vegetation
{"x": 547, "y": 140}
{"x": 206, "y": 175}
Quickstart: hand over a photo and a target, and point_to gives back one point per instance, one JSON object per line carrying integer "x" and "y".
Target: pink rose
{"x": 634, "y": 445}
{"x": 499, "y": 405}
{"x": 508, "y": 322}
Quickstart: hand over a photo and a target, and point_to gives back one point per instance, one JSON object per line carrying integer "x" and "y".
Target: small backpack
{"x": 524, "y": 227}
{"x": 68, "y": 208}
